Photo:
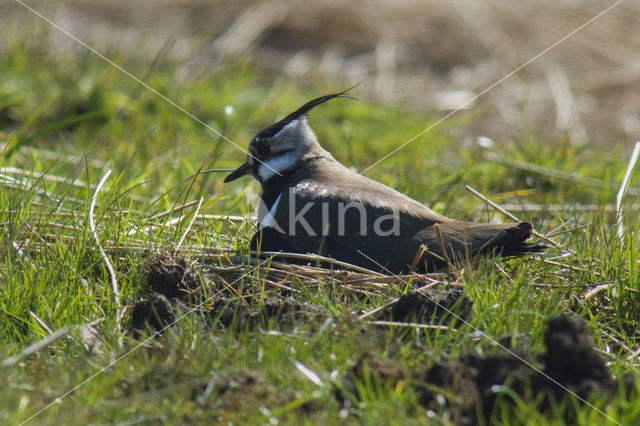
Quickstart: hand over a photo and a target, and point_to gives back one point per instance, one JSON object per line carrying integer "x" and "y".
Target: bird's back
{"x": 350, "y": 217}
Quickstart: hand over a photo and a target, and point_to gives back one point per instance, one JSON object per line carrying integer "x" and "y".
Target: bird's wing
{"x": 345, "y": 184}
{"x": 330, "y": 209}
{"x": 314, "y": 217}
{"x": 467, "y": 239}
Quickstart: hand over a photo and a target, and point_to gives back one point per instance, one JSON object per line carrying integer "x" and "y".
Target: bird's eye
{"x": 262, "y": 148}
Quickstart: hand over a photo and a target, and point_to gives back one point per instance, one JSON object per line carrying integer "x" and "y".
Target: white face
{"x": 276, "y": 165}
{"x": 285, "y": 149}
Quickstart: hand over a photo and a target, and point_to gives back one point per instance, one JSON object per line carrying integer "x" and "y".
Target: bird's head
{"x": 281, "y": 146}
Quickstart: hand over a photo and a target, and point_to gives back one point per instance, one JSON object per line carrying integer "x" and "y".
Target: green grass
{"x": 77, "y": 117}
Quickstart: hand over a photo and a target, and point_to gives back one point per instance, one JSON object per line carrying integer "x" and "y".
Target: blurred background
{"x": 421, "y": 55}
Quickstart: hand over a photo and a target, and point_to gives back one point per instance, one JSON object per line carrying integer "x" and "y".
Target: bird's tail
{"x": 468, "y": 240}
{"x": 510, "y": 240}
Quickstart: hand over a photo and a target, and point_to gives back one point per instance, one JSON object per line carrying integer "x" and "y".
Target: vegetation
{"x": 65, "y": 123}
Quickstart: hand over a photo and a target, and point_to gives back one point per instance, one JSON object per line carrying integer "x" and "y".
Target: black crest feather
{"x": 302, "y": 111}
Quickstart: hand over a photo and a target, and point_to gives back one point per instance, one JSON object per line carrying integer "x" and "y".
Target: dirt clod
{"x": 172, "y": 276}
{"x": 228, "y": 312}
{"x": 288, "y": 308}
{"x": 478, "y": 382}
{"x": 571, "y": 359}
{"x": 155, "y": 312}
{"x": 468, "y": 387}
{"x": 475, "y": 381}
{"x": 431, "y": 306}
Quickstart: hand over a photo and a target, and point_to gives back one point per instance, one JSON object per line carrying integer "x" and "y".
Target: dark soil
{"x": 431, "y": 306}
{"x": 155, "y": 312}
{"x": 158, "y": 310}
{"x": 470, "y": 385}
{"x": 290, "y": 309}
{"x": 285, "y": 310}
{"x": 477, "y": 381}
{"x": 172, "y": 276}
{"x": 571, "y": 359}
{"x": 229, "y": 312}
{"x": 173, "y": 282}
{"x": 474, "y": 381}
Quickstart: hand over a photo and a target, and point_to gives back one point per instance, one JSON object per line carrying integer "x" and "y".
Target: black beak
{"x": 245, "y": 169}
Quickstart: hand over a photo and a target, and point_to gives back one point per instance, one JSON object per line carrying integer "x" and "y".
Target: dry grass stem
{"x": 624, "y": 188}
{"x": 41, "y": 322}
{"x": 186, "y": 231}
{"x": 597, "y": 289}
{"x": 105, "y": 258}
{"x": 450, "y": 267}
{"x": 35, "y": 347}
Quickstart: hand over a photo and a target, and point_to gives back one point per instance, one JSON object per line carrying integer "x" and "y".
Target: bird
{"x": 313, "y": 204}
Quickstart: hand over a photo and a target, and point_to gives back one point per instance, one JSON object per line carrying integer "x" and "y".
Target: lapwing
{"x": 311, "y": 203}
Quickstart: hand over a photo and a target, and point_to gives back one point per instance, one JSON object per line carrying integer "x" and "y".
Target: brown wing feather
{"x": 468, "y": 240}
{"x": 326, "y": 184}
